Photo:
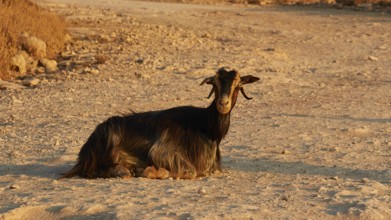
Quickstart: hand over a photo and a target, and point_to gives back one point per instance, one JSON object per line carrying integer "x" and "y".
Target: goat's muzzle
{"x": 223, "y": 104}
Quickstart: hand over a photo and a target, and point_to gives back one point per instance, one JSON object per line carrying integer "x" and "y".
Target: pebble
{"x": 373, "y": 58}
{"x": 19, "y": 63}
{"x": 322, "y": 189}
{"x": 206, "y": 35}
{"x": 382, "y": 47}
{"x": 9, "y": 85}
{"x": 49, "y": 65}
{"x": 30, "y": 82}
{"x": 94, "y": 71}
{"x": 202, "y": 191}
{"x": 16, "y": 100}
{"x": 285, "y": 198}
{"x": 334, "y": 178}
{"x": 87, "y": 70}
{"x": 14, "y": 186}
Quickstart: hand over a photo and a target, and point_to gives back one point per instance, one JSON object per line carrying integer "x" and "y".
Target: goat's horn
{"x": 244, "y": 94}
{"x": 208, "y": 80}
{"x": 211, "y": 93}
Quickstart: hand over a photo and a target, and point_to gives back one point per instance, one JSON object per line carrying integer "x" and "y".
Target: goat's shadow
{"x": 299, "y": 167}
{"x": 230, "y": 163}
{"x": 34, "y": 170}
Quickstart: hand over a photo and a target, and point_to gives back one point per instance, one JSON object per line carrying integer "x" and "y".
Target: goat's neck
{"x": 218, "y": 123}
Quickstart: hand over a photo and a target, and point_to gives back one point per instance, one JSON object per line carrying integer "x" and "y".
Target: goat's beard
{"x": 223, "y": 109}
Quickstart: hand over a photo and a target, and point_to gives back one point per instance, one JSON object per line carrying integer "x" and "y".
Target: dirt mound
{"x": 26, "y": 26}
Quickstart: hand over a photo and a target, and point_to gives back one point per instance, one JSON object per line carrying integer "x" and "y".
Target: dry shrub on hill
{"x": 21, "y": 17}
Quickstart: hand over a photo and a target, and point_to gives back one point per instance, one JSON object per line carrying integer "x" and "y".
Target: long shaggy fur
{"x": 183, "y": 141}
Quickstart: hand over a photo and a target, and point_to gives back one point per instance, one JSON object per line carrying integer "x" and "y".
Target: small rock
{"x": 18, "y": 63}
{"x": 322, "y": 189}
{"x": 285, "y": 198}
{"x": 94, "y": 71}
{"x": 285, "y": 152}
{"x": 270, "y": 49}
{"x": 4, "y": 85}
{"x": 202, "y": 191}
{"x": 373, "y": 58}
{"x": 383, "y": 47}
{"x": 50, "y": 65}
{"x": 30, "y": 82}
{"x": 87, "y": 70}
{"x": 334, "y": 149}
{"x": 322, "y": 85}
{"x": 128, "y": 39}
{"x": 40, "y": 70}
{"x": 334, "y": 178}
{"x": 34, "y": 46}
{"x": 14, "y": 186}
{"x": 207, "y": 35}
{"x": 65, "y": 65}
{"x": 16, "y": 100}
{"x": 171, "y": 191}
{"x": 103, "y": 38}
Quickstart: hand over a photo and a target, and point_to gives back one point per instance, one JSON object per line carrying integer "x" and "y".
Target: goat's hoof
{"x": 149, "y": 172}
{"x": 125, "y": 177}
{"x": 121, "y": 172}
{"x": 152, "y": 173}
{"x": 163, "y": 173}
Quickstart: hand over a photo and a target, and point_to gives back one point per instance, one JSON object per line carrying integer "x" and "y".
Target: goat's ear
{"x": 248, "y": 79}
{"x": 208, "y": 80}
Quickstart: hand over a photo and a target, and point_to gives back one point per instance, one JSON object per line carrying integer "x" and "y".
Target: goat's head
{"x": 226, "y": 86}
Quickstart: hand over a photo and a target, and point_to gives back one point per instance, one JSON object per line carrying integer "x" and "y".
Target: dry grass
{"x": 22, "y": 16}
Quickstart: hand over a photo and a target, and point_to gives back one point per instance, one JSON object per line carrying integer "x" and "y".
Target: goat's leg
{"x": 174, "y": 163}
{"x": 121, "y": 171}
{"x": 116, "y": 171}
{"x": 110, "y": 158}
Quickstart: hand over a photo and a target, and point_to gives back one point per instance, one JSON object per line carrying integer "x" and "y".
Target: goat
{"x": 181, "y": 142}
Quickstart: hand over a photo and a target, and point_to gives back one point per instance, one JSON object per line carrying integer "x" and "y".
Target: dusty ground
{"x": 314, "y": 143}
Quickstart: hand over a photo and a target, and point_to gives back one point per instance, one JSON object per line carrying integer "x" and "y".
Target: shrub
{"x": 22, "y": 17}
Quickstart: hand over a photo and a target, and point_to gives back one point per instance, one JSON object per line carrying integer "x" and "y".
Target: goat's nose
{"x": 224, "y": 100}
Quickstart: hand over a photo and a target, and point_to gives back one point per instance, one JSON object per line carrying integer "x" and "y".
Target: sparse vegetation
{"x": 20, "y": 18}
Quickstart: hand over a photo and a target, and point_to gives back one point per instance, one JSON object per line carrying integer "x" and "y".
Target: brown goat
{"x": 181, "y": 142}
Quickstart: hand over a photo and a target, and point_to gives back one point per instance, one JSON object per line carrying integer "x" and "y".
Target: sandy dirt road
{"x": 314, "y": 143}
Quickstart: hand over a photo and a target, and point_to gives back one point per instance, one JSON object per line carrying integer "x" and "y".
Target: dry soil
{"x": 314, "y": 143}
